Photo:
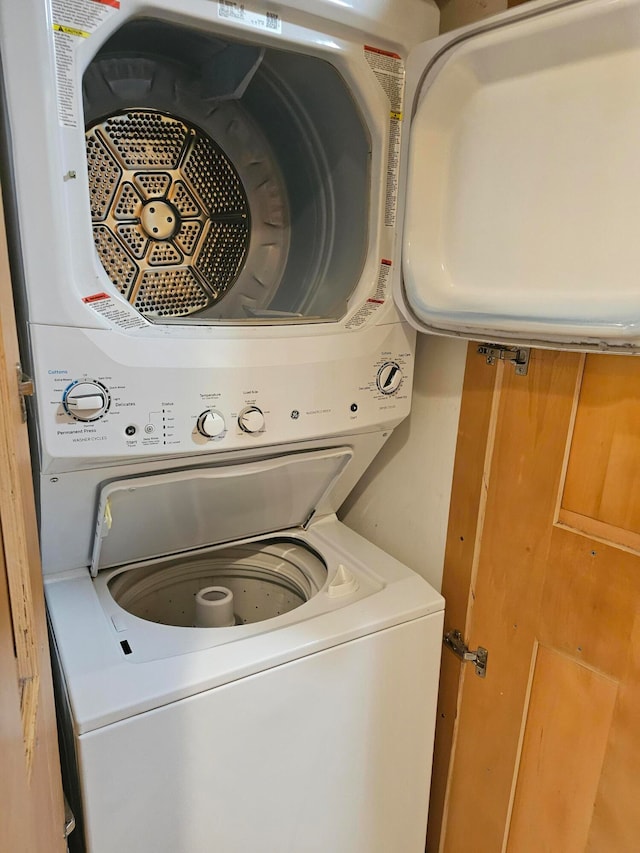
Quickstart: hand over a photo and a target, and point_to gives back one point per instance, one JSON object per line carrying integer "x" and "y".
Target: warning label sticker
{"x": 73, "y": 20}
{"x": 389, "y": 71}
{"x": 232, "y": 11}
{"x": 114, "y": 312}
{"x": 376, "y": 300}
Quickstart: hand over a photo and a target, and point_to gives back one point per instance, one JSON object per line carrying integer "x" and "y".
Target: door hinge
{"x": 518, "y": 356}
{"x": 453, "y": 640}
{"x": 69, "y": 819}
{"x": 25, "y": 389}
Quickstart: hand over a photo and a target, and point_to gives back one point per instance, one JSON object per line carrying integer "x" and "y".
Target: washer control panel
{"x": 179, "y": 397}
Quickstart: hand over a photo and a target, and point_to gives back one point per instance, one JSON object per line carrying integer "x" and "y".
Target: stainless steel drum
{"x": 170, "y": 216}
{"x": 227, "y": 181}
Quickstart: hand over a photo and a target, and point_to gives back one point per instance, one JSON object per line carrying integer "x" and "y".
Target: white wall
{"x": 402, "y": 502}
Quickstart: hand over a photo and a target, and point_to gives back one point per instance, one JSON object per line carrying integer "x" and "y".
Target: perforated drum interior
{"x": 266, "y": 579}
{"x": 170, "y": 216}
{"x": 227, "y": 181}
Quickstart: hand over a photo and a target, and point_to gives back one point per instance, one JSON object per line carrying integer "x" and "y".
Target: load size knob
{"x": 86, "y": 401}
{"x": 211, "y": 424}
{"x": 389, "y": 377}
{"x": 251, "y": 419}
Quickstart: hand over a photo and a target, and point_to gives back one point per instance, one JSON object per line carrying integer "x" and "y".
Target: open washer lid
{"x": 141, "y": 518}
{"x": 523, "y": 179}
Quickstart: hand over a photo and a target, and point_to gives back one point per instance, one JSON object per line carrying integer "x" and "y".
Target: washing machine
{"x": 273, "y": 694}
{"x": 228, "y": 221}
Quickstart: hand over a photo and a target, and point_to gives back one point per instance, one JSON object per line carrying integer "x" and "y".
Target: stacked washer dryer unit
{"x": 204, "y": 200}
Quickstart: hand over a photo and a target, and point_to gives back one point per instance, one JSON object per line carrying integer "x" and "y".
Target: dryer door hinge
{"x": 454, "y": 641}
{"x": 518, "y": 356}
{"x": 25, "y": 389}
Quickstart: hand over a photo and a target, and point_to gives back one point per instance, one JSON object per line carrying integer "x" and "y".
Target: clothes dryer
{"x": 206, "y": 203}
{"x": 197, "y": 201}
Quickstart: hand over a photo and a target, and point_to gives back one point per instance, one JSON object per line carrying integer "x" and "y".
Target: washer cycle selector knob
{"x": 211, "y": 424}
{"x": 251, "y": 419}
{"x": 389, "y": 377}
{"x": 86, "y": 401}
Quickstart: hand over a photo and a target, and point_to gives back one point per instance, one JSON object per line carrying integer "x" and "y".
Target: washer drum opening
{"x": 227, "y": 182}
{"x": 264, "y": 580}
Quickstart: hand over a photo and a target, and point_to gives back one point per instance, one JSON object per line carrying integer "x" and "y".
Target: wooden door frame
{"x": 478, "y": 413}
{"x": 37, "y": 823}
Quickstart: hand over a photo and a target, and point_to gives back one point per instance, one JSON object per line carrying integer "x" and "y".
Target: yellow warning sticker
{"x": 74, "y": 21}
{"x": 389, "y": 72}
{"x": 71, "y": 31}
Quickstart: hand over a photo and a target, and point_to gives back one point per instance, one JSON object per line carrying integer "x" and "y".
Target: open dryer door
{"x": 522, "y": 179}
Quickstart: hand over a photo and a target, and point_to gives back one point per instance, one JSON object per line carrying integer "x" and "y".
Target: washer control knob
{"x": 251, "y": 419}
{"x": 211, "y": 424}
{"x": 86, "y": 401}
{"x": 389, "y": 377}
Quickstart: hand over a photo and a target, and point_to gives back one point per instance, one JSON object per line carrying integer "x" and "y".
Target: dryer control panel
{"x": 103, "y": 399}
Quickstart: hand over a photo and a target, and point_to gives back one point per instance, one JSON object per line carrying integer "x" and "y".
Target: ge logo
{"x": 295, "y": 414}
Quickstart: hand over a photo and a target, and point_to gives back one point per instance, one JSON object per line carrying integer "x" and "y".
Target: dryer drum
{"x": 251, "y": 162}
{"x": 170, "y": 215}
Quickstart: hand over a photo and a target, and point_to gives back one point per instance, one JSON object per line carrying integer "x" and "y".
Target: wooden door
{"x": 31, "y": 801}
{"x": 543, "y": 569}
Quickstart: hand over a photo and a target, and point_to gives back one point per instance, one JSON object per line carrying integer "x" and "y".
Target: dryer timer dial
{"x": 86, "y": 400}
{"x": 389, "y": 377}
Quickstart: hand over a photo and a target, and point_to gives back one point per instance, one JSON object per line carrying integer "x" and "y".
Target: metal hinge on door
{"x": 453, "y": 640}
{"x": 518, "y": 356}
{"x": 25, "y": 389}
{"x": 69, "y": 819}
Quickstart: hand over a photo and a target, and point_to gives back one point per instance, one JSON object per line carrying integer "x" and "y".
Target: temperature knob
{"x": 211, "y": 424}
{"x": 86, "y": 401}
{"x": 389, "y": 377}
{"x": 251, "y": 419}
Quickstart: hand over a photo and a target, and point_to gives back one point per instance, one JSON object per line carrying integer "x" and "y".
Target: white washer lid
{"x": 523, "y": 183}
{"x": 140, "y": 518}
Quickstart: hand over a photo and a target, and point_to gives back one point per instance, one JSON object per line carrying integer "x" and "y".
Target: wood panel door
{"x": 544, "y": 536}
{"x": 31, "y": 800}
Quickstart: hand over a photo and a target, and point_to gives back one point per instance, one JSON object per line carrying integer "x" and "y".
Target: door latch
{"x": 518, "y": 356}
{"x": 453, "y": 640}
{"x": 25, "y": 389}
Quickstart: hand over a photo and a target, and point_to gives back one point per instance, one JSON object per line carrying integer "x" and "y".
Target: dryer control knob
{"x": 251, "y": 419}
{"x": 211, "y": 424}
{"x": 389, "y": 377}
{"x": 86, "y": 401}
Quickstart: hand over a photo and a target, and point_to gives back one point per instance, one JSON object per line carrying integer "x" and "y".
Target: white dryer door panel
{"x": 522, "y": 179}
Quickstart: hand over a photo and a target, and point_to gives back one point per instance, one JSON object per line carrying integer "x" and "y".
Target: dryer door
{"x": 522, "y": 179}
